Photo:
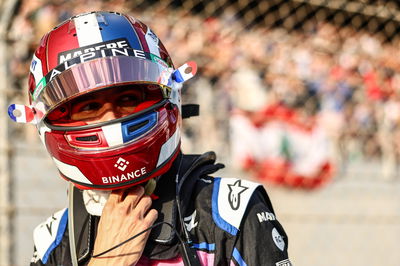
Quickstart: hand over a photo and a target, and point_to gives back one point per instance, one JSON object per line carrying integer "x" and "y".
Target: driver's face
{"x": 108, "y": 105}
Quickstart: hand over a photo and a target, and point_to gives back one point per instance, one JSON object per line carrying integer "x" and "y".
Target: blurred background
{"x": 303, "y": 96}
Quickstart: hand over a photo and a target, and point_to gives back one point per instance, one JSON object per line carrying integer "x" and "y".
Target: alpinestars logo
{"x": 234, "y": 194}
{"x": 121, "y": 164}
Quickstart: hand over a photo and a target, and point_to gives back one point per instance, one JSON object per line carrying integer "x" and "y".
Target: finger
{"x": 142, "y": 207}
{"x": 150, "y": 217}
{"x": 133, "y": 196}
{"x": 116, "y": 196}
{"x": 112, "y": 200}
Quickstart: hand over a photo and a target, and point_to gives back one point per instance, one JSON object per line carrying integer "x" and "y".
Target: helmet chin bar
{"x": 121, "y": 160}
{"x": 161, "y": 169}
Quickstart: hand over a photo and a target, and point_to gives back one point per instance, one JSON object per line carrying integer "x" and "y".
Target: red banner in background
{"x": 282, "y": 146}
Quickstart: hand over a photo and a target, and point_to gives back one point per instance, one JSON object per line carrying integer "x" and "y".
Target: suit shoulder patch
{"x": 230, "y": 198}
{"x": 48, "y": 235}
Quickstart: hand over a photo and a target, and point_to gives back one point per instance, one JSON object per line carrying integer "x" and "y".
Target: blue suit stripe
{"x": 219, "y": 221}
{"x": 205, "y": 246}
{"x": 60, "y": 233}
{"x": 236, "y": 255}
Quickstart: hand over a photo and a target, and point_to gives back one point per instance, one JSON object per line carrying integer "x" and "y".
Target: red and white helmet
{"x": 94, "y": 53}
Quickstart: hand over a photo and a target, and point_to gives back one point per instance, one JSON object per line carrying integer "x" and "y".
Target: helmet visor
{"x": 99, "y": 74}
{"x": 105, "y": 104}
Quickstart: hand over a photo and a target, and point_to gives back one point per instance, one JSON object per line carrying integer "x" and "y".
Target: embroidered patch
{"x": 284, "y": 263}
{"x": 229, "y": 202}
{"x": 278, "y": 239}
{"x": 235, "y": 190}
{"x": 265, "y": 216}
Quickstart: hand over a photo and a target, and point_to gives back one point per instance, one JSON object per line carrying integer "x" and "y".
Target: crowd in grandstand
{"x": 338, "y": 81}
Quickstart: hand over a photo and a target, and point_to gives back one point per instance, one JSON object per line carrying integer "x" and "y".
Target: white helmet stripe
{"x": 71, "y": 171}
{"x": 36, "y": 69}
{"x": 113, "y": 134}
{"x": 152, "y": 41}
{"x": 87, "y": 29}
{"x": 42, "y": 133}
{"x": 169, "y": 147}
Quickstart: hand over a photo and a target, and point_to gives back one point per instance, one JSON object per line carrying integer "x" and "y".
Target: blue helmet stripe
{"x": 119, "y": 27}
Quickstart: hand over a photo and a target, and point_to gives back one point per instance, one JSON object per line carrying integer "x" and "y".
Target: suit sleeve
{"x": 51, "y": 242}
{"x": 261, "y": 239}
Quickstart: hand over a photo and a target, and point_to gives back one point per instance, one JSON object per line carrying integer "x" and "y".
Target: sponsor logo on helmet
{"x": 91, "y": 55}
{"x": 235, "y": 190}
{"x": 152, "y": 35}
{"x": 124, "y": 177}
{"x": 121, "y": 164}
{"x": 33, "y": 65}
{"x": 39, "y": 88}
{"x": 68, "y": 55}
{"x": 284, "y": 263}
{"x": 278, "y": 239}
{"x": 265, "y": 216}
{"x": 158, "y": 60}
{"x": 94, "y": 55}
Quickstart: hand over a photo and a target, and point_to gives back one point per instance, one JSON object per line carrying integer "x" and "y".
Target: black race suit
{"x": 227, "y": 221}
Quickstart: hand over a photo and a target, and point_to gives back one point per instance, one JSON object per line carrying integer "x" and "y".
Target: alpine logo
{"x": 190, "y": 221}
{"x": 235, "y": 190}
{"x": 121, "y": 164}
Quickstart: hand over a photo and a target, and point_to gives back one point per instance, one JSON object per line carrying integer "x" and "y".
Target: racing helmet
{"x": 117, "y": 58}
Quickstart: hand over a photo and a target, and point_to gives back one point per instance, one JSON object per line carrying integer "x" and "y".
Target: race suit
{"x": 227, "y": 221}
